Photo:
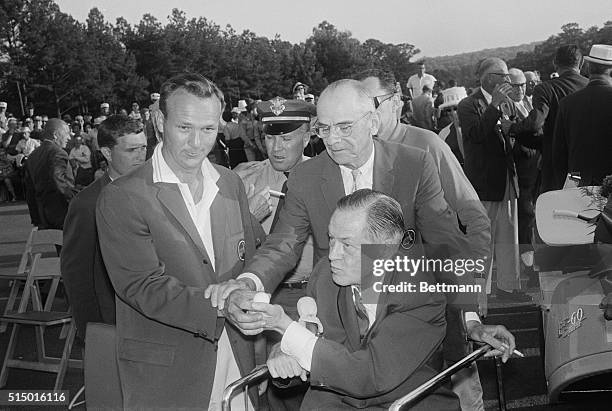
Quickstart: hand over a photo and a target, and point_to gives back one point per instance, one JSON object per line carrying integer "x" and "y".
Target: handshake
{"x": 252, "y": 313}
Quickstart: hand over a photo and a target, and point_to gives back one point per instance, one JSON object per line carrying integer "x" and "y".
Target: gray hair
{"x": 384, "y": 217}
{"x": 485, "y": 64}
{"x": 362, "y": 94}
{"x": 193, "y": 83}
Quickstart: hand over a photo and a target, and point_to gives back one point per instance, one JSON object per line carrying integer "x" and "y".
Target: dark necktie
{"x": 279, "y": 206}
{"x": 362, "y": 316}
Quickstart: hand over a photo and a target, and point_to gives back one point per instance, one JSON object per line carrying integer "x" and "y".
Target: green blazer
{"x": 167, "y": 331}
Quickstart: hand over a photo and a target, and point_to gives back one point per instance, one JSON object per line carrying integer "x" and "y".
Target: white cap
{"x": 104, "y": 105}
{"x": 3, "y": 104}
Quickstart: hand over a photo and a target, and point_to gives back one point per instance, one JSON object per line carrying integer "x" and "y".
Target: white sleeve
{"x": 299, "y": 343}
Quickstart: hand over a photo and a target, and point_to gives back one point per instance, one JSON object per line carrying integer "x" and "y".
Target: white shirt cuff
{"x": 471, "y": 316}
{"x": 299, "y": 343}
{"x": 258, "y": 284}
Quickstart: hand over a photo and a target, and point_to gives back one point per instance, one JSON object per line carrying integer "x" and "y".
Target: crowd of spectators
{"x": 462, "y": 167}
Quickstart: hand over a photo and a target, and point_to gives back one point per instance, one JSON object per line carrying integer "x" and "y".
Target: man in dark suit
{"x": 168, "y": 230}
{"x": 346, "y": 121}
{"x": 536, "y": 131}
{"x": 490, "y": 167}
{"x": 376, "y": 344}
{"x": 50, "y": 175}
{"x": 460, "y": 196}
{"x": 92, "y": 298}
{"x": 583, "y": 132}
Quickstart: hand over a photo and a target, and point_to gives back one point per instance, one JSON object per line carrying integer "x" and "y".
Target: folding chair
{"x": 38, "y": 242}
{"x": 40, "y": 318}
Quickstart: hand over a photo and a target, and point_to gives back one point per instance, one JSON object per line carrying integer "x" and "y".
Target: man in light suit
{"x": 92, "y": 298}
{"x": 167, "y": 231}
{"x": 376, "y": 346}
{"x": 526, "y": 160}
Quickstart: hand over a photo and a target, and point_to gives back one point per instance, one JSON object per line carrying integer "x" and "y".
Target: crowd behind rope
{"x": 480, "y": 157}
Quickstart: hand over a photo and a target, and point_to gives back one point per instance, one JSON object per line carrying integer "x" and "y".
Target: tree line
{"x": 62, "y": 65}
{"x": 534, "y": 56}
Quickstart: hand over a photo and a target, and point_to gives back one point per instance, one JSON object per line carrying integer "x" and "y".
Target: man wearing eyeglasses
{"x": 526, "y": 160}
{"x": 347, "y": 121}
{"x": 536, "y": 131}
{"x": 533, "y": 79}
{"x": 458, "y": 193}
{"x": 489, "y": 165}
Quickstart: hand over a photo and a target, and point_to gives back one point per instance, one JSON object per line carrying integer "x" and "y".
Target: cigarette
{"x": 515, "y": 352}
{"x": 277, "y": 194}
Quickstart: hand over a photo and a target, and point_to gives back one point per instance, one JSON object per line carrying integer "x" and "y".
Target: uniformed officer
{"x": 286, "y": 127}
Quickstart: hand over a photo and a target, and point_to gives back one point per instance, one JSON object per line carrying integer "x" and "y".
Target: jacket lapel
{"x": 221, "y": 229}
{"x": 332, "y": 186}
{"x": 171, "y": 198}
{"x": 383, "y": 177}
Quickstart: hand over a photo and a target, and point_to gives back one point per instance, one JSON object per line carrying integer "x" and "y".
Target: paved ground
{"x": 523, "y": 379}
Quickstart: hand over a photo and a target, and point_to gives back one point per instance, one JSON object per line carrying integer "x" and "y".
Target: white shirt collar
{"x": 366, "y": 174}
{"x": 486, "y": 95}
{"x": 162, "y": 173}
{"x": 366, "y": 167}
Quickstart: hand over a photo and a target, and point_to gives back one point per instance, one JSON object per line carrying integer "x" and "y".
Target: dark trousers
{"x": 527, "y": 173}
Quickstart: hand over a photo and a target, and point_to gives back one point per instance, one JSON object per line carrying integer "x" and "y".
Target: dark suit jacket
{"x": 488, "y": 153}
{"x": 583, "y": 134}
{"x": 401, "y": 350}
{"x": 51, "y": 176}
{"x": 167, "y": 332}
{"x": 90, "y": 292}
{"x": 537, "y": 130}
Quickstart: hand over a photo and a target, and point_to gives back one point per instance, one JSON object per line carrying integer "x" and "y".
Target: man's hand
{"x": 500, "y": 94}
{"x": 505, "y": 126}
{"x": 234, "y": 298}
{"x": 218, "y": 293}
{"x": 282, "y": 365}
{"x": 274, "y": 316}
{"x": 497, "y": 336}
{"x": 260, "y": 203}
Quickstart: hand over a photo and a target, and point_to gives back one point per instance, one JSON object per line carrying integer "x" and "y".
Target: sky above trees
{"x": 439, "y": 27}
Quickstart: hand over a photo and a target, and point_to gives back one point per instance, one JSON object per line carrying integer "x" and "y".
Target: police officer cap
{"x": 280, "y": 116}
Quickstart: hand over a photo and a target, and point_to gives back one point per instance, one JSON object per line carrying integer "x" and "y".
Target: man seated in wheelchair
{"x": 376, "y": 342}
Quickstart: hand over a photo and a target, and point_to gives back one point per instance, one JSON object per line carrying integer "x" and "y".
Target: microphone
{"x": 307, "y": 309}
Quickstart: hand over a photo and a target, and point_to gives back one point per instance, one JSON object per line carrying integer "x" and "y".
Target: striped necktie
{"x": 362, "y": 316}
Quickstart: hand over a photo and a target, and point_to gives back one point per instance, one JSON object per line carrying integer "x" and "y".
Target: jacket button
{"x": 205, "y": 261}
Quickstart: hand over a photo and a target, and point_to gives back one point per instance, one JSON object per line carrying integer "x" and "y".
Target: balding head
{"x": 347, "y": 121}
{"x": 518, "y": 81}
{"x": 532, "y": 79}
{"x": 352, "y": 89}
{"x": 517, "y": 76}
{"x": 57, "y": 130}
{"x": 492, "y": 71}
